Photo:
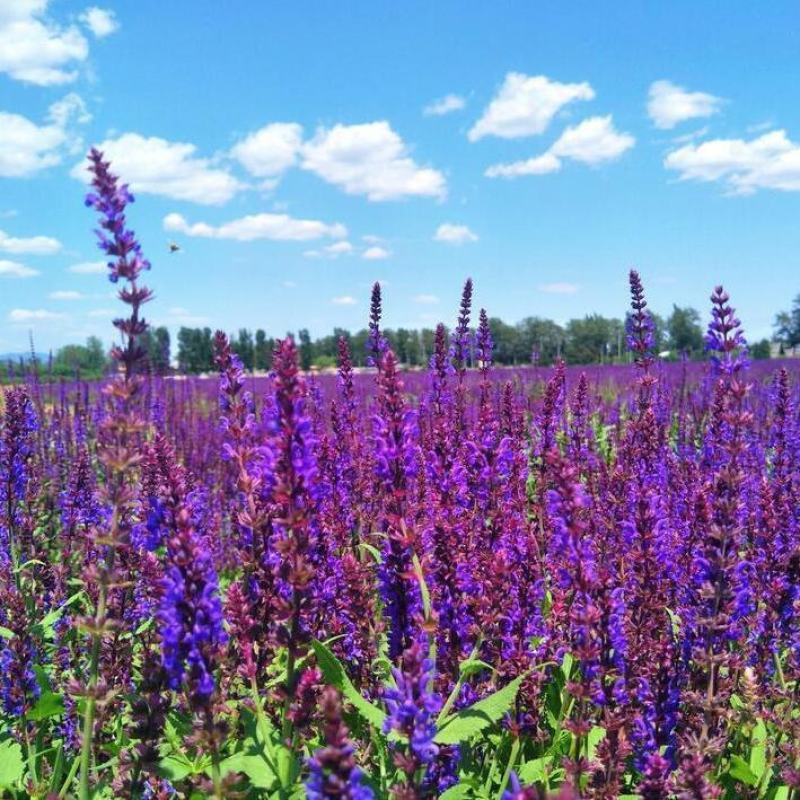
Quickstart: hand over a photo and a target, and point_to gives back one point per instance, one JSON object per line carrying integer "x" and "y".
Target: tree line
{"x": 585, "y": 340}
{"x": 590, "y": 339}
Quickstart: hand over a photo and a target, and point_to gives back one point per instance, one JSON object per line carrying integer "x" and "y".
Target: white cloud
{"x": 102, "y": 313}
{"x": 270, "y": 151}
{"x": 559, "y": 288}
{"x": 33, "y": 315}
{"x": 370, "y": 159}
{"x": 375, "y": 253}
{"x": 454, "y": 234}
{"x": 89, "y": 268}
{"x": 27, "y": 148}
{"x": 669, "y": 104}
{"x": 771, "y": 161}
{"x": 538, "y": 165}
{"x": 100, "y": 21}
{"x": 289, "y": 284}
{"x": 33, "y": 245}
{"x": 338, "y": 248}
{"x": 525, "y": 106}
{"x": 344, "y": 300}
{"x": 444, "y": 105}
{"x": 65, "y": 294}
{"x": 70, "y": 108}
{"x": 426, "y": 299}
{"x": 13, "y": 269}
{"x": 278, "y": 227}
{"x": 592, "y": 141}
{"x": 331, "y": 250}
{"x": 171, "y": 169}
{"x": 34, "y": 49}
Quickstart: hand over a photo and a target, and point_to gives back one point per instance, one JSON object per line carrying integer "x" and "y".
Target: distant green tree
{"x": 89, "y": 358}
{"x": 593, "y": 339}
{"x": 787, "y": 327}
{"x": 542, "y": 336}
{"x": 685, "y": 331}
{"x": 245, "y": 348}
{"x": 306, "y": 349}
{"x": 760, "y": 350}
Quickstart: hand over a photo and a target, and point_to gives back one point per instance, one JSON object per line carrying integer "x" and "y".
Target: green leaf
{"x": 471, "y": 721}
{"x": 532, "y": 771}
{"x": 472, "y": 666}
{"x": 12, "y": 767}
{"x": 6, "y": 633}
{"x": 758, "y": 753}
{"x": 254, "y": 767}
{"x": 177, "y": 767}
{"x": 372, "y": 550}
{"x": 596, "y": 735}
{"x": 740, "y": 770}
{"x": 48, "y": 705}
{"x": 46, "y": 627}
{"x": 335, "y": 675}
{"x": 566, "y": 666}
{"x": 456, "y": 792}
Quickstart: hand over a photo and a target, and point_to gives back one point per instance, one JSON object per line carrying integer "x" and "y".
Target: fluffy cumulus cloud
{"x": 771, "y": 161}
{"x": 593, "y": 141}
{"x": 372, "y": 160}
{"x": 525, "y": 105}
{"x": 36, "y": 50}
{"x": 444, "y": 105}
{"x": 270, "y": 151}
{"x": 27, "y": 147}
{"x": 100, "y": 21}
{"x": 32, "y": 245}
{"x": 669, "y": 104}
{"x": 426, "y": 299}
{"x": 13, "y": 269}
{"x": 278, "y": 227}
{"x": 344, "y": 300}
{"x": 171, "y": 169}
{"x": 454, "y": 234}
{"x": 375, "y": 253}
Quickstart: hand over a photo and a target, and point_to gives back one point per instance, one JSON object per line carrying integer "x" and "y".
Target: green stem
{"x": 70, "y": 777}
{"x": 457, "y": 688}
{"x": 512, "y": 760}
{"x": 262, "y": 726}
{"x": 91, "y": 701}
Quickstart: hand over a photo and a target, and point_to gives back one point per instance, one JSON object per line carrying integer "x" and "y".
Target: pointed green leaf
{"x": 12, "y": 767}
{"x": 335, "y": 675}
{"x": 470, "y": 721}
{"x": 740, "y": 770}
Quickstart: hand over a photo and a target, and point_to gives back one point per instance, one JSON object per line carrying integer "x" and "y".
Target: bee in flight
{"x": 173, "y": 247}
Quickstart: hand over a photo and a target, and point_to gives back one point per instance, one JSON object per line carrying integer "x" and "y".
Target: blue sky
{"x": 299, "y": 151}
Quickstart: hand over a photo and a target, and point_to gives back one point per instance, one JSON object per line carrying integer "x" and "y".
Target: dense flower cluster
{"x": 505, "y": 583}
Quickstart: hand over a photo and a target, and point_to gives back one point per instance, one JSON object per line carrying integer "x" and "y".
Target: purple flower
{"x": 190, "y": 614}
{"x": 412, "y": 707}
{"x": 725, "y": 337}
{"x": 332, "y": 768}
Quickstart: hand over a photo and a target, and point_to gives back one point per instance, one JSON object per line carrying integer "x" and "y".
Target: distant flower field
{"x": 458, "y": 583}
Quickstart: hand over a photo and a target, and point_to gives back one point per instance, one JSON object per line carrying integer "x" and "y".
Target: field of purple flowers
{"x": 464, "y": 583}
